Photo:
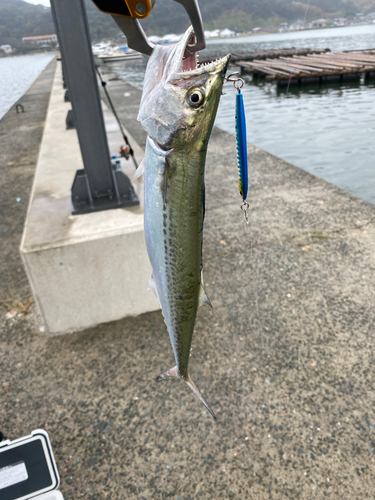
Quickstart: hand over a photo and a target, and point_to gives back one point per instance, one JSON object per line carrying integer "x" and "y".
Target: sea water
{"x": 328, "y": 130}
{"x": 17, "y": 74}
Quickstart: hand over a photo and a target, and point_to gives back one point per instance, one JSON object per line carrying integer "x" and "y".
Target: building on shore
{"x": 7, "y": 49}
{"x": 40, "y": 39}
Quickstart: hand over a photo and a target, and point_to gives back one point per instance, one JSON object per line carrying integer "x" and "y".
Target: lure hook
{"x": 245, "y": 207}
{"x": 237, "y": 81}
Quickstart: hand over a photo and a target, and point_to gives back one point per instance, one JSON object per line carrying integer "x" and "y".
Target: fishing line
{"x": 122, "y": 128}
{"x": 303, "y": 25}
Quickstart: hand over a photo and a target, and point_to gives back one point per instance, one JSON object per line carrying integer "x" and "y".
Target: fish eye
{"x": 195, "y": 97}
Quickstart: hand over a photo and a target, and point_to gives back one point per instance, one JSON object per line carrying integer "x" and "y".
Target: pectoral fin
{"x": 140, "y": 170}
{"x": 163, "y": 174}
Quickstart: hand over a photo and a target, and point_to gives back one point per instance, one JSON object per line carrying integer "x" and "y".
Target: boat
{"x": 119, "y": 53}
{"x": 120, "y": 56}
{"x": 100, "y": 48}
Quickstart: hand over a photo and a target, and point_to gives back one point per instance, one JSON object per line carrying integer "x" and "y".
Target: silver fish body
{"x": 178, "y": 109}
{"x": 174, "y": 183}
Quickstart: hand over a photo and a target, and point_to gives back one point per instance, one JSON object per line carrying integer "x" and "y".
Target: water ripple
{"x": 17, "y": 75}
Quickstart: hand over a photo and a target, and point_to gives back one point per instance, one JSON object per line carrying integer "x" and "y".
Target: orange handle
{"x": 138, "y": 9}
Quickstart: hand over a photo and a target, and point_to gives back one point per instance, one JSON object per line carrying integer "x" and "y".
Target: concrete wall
{"x": 86, "y": 269}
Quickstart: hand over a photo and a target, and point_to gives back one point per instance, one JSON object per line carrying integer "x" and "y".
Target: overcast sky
{"x": 39, "y": 2}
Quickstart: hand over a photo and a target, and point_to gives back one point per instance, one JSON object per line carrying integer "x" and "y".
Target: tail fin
{"x": 173, "y": 372}
{"x": 199, "y": 395}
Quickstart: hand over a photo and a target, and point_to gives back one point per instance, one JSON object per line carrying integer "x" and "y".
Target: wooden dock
{"x": 313, "y": 67}
{"x": 256, "y": 55}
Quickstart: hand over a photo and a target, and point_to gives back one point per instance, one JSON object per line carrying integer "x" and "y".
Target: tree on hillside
{"x": 19, "y": 19}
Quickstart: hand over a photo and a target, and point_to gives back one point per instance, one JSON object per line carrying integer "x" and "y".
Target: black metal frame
{"x": 101, "y": 185}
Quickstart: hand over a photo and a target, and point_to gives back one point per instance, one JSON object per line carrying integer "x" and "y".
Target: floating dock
{"x": 313, "y": 68}
{"x": 255, "y": 55}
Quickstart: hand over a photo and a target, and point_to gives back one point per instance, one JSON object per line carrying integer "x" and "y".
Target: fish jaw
{"x": 167, "y": 111}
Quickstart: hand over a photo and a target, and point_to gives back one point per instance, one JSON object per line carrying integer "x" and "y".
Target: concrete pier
{"x": 286, "y": 356}
{"x": 79, "y": 266}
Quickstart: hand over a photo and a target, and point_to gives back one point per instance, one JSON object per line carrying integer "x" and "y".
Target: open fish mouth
{"x": 183, "y": 64}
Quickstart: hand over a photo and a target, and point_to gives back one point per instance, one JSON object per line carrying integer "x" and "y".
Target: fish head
{"x": 180, "y": 97}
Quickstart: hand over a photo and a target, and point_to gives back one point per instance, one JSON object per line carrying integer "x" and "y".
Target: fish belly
{"x": 174, "y": 197}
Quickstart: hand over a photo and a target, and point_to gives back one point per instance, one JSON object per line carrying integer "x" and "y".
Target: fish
{"x": 178, "y": 108}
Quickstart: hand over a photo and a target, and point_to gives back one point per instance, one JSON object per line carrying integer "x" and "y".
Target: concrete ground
{"x": 286, "y": 356}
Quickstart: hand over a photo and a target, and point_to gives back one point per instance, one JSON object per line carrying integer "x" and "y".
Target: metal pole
{"x": 65, "y": 81}
{"x": 74, "y": 39}
{"x": 101, "y": 185}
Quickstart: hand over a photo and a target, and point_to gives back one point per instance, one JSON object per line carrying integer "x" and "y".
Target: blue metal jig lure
{"x": 241, "y": 141}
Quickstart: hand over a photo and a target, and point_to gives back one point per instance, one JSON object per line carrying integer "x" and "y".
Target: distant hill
{"x": 19, "y": 19}
{"x": 365, "y": 6}
{"x": 243, "y": 15}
